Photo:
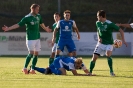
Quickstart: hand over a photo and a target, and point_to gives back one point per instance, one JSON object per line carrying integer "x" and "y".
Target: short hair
{"x": 67, "y": 11}
{"x": 78, "y": 60}
{"x": 33, "y": 6}
{"x": 102, "y": 13}
{"x": 56, "y": 13}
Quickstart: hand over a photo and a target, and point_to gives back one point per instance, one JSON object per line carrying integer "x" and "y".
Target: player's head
{"x": 56, "y": 16}
{"x": 67, "y": 14}
{"x": 101, "y": 15}
{"x": 35, "y": 8}
{"x": 78, "y": 63}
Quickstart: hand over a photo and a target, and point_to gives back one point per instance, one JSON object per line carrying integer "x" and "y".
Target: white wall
{"x": 14, "y": 43}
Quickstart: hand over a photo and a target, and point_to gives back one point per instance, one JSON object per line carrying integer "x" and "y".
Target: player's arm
{"x": 77, "y": 74}
{"x": 124, "y": 25}
{"x": 6, "y": 28}
{"x": 76, "y": 30}
{"x": 74, "y": 71}
{"x": 55, "y": 31}
{"x": 99, "y": 39}
{"x": 122, "y": 36}
{"x": 45, "y": 28}
{"x": 54, "y": 34}
{"x": 114, "y": 26}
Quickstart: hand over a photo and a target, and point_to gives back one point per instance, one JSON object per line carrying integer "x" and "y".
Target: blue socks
{"x": 41, "y": 70}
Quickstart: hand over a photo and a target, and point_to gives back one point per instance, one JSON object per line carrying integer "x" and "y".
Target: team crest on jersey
{"x": 69, "y": 22}
{"x": 105, "y": 26}
{"x": 37, "y": 18}
{"x": 32, "y": 23}
{"x": 66, "y": 27}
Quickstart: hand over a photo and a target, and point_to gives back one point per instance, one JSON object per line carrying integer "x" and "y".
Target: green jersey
{"x": 32, "y": 26}
{"x": 57, "y": 33}
{"x": 105, "y": 31}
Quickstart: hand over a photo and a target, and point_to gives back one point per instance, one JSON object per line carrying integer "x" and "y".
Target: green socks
{"x": 51, "y": 60}
{"x": 110, "y": 62}
{"x": 92, "y": 65}
{"x": 27, "y": 61}
{"x": 34, "y": 61}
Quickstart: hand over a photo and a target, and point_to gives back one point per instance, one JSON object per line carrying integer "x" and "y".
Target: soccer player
{"x": 61, "y": 64}
{"x": 105, "y": 40}
{"x": 32, "y": 21}
{"x": 56, "y": 18}
{"x": 125, "y": 25}
{"x": 65, "y": 27}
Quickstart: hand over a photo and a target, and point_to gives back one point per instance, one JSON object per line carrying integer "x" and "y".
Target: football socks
{"x": 92, "y": 65}
{"x": 34, "y": 61}
{"x": 110, "y": 62}
{"x": 27, "y": 61}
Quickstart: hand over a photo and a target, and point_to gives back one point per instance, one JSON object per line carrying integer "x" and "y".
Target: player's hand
{"x": 125, "y": 43}
{"x": 100, "y": 40}
{"x": 90, "y": 74}
{"x": 78, "y": 36}
{"x": 48, "y": 29}
{"x": 53, "y": 41}
{"x": 5, "y": 28}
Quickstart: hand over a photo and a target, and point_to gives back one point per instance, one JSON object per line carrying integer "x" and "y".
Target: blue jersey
{"x": 66, "y": 28}
{"x": 66, "y": 62}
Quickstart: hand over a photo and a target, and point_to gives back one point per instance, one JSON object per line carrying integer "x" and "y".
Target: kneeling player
{"x": 61, "y": 64}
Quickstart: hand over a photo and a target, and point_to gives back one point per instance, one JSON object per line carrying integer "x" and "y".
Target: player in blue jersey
{"x": 63, "y": 64}
{"x": 65, "y": 27}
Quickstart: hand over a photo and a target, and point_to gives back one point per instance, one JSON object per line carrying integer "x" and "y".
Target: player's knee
{"x": 95, "y": 56}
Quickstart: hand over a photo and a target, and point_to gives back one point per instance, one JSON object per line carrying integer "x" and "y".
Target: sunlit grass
{"x": 12, "y": 77}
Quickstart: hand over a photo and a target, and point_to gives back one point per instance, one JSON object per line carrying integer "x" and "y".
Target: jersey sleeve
{"x": 58, "y": 24}
{"x": 40, "y": 20}
{"x": 115, "y": 27}
{"x": 71, "y": 66}
{"x": 22, "y": 22}
{"x": 131, "y": 25}
{"x": 74, "y": 24}
{"x": 83, "y": 66}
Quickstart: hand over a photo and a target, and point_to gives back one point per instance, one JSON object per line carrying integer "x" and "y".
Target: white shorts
{"x": 33, "y": 45}
{"x": 102, "y": 49}
{"x": 54, "y": 48}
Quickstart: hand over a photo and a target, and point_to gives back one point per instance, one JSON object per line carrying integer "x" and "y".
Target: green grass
{"x": 12, "y": 77}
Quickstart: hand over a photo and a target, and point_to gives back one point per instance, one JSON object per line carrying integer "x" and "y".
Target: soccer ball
{"x": 117, "y": 43}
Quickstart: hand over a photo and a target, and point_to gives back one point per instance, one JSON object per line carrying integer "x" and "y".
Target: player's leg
{"x": 29, "y": 44}
{"x": 51, "y": 59}
{"x": 71, "y": 48}
{"x": 109, "y": 59}
{"x": 37, "y": 48}
{"x": 41, "y": 70}
{"x": 60, "y": 47}
{"x": 93, "y": 61}
{"x": 54, "y": 70}
{"x": 97, "y": 52}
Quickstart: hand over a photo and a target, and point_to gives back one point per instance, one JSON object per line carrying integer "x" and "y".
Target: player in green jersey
{"x": 105, "y": 40}
{"x": 56, "y": 18}
{"x": 32, "y": 21}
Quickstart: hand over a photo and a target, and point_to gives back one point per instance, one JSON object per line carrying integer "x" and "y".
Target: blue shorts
{"x": 68, "y": 43}
{"x": 57, "y": 63}
{"x": 54, "y": 69}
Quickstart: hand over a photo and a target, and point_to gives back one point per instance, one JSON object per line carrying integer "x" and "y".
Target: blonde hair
{"x": 78, "y": 60}
{"x": 67, "y": 11}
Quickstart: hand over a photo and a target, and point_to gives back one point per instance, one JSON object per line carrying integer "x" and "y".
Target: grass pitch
{"x": 12, "y": 77}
